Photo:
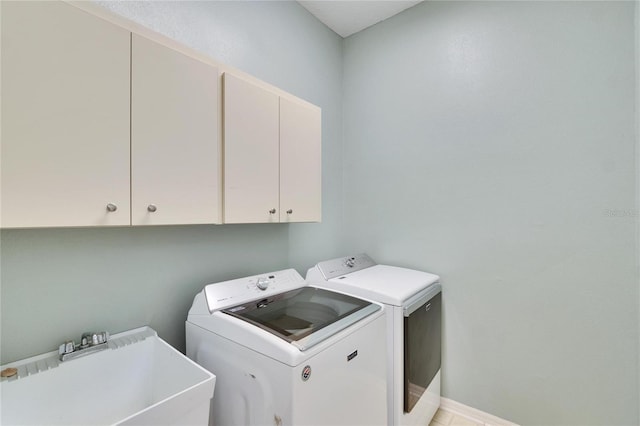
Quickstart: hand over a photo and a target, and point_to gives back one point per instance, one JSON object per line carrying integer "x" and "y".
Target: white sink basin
{"x": 139, "y": 380}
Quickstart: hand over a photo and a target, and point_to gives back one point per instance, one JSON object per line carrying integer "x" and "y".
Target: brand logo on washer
{"x": 306, "y": 373}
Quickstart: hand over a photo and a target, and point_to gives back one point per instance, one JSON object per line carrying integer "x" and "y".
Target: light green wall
{"x": 493, "y": 143}
{"x": 637, "y": 25}
{"x": 57, "y": 283}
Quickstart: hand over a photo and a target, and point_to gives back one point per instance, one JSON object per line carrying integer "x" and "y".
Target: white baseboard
{"x": 472, "y": 414}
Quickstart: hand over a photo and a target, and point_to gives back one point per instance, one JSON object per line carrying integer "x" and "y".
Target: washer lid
{"x": 305, "y": 316}
{"x": 387, "y": 284}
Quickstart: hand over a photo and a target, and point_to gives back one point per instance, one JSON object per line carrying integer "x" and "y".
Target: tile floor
{"x": 447, "y": 418}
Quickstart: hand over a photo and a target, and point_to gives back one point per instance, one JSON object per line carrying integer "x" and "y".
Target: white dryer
{"x": 414, "y": 304}
{"x": 285, "y": 353}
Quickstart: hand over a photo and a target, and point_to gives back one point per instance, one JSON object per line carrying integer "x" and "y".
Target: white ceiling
{"x": 350, "y": 16}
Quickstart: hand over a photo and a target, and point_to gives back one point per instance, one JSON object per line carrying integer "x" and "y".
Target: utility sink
{"x": 138, "y": 380}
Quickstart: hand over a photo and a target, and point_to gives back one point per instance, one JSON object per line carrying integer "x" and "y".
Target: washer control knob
{"x": 350, "y": 262}
{"x": 262, "y": 283}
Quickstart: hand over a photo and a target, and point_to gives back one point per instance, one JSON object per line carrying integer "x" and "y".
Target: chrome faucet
{"x": 89, "y": 343}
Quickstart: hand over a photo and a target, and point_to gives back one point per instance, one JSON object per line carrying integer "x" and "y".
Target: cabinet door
{"x": 251, "y": 159}
{"x": 300, "y": 162}
{"x": 65, "y": 117}
{"x": 175, "y": 151}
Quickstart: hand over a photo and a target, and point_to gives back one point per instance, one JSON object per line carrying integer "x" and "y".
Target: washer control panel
{"x": 234, "y": 292}
{"x": 344, "y": 265}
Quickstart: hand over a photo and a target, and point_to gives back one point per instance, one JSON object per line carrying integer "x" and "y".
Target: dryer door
{"x": 422, "y": 336}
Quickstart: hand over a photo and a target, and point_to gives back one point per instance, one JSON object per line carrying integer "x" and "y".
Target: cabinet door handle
{"x": 289, "y": 211}
{"x": 111, "y": 207}
{"x": 272, "y": 211}
{"x": 152, "y": 208}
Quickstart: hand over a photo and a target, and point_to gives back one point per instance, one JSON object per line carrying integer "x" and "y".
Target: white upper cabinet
{"x": 300, "y": 162}
{"x": 175, "y": 150}
{"x": 251, "y": 158}
{"x": 65, "y": 117}
{"x": 272, "y": 156}
{"x": 105, "y": 123}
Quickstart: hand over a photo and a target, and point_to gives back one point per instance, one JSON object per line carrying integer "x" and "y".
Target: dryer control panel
{"x": 228, "y": 293}
{"x": 344, "y": 265}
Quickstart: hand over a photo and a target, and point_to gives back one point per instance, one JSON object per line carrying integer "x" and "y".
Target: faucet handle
{"x": 67, "y": 347}
{"x": 92, "y": 339}
{"x": 99, "y": 338}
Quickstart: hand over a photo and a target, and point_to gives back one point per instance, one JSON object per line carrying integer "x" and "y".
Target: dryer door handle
{"x": 415, "y": 304}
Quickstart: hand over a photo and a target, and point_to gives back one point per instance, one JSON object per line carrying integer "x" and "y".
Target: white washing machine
{"x": 413, "y": 305}
{"x": 285, "y": 353}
